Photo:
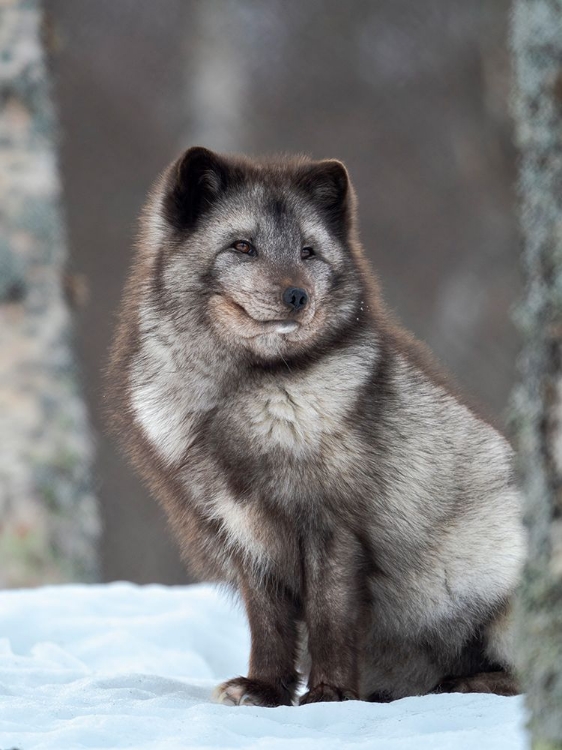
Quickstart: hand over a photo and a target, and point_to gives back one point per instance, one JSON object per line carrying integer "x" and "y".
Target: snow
{"x": 126, "y": 666}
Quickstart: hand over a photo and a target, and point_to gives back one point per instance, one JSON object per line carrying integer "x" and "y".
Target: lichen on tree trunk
{"x": 48, "y": 515}
{"x": 537, "y": 53}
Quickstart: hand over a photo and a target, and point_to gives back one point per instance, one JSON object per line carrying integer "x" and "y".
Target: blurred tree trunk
{"x": 537, "y": 47}
{"x": 48, "y": 515}
{"x": 217, "y": 77}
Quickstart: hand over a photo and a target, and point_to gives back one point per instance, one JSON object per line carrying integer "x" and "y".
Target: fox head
{"x": 261, "y": 252}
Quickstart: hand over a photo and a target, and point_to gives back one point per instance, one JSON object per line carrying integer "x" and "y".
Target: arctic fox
{"x": 304, "y": 446}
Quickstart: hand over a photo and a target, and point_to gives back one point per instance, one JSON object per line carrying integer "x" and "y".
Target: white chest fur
{"x": 296, "y": 411}
{"x": 291, "y": 412}
{"x": 168, "y": 398}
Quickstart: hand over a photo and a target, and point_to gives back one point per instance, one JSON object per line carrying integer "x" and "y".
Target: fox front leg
{"x": 335, "y": 615}
{"x": 272, "y": 677}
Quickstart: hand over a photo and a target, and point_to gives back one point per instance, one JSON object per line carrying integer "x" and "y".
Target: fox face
{"x": 262, "y": 256}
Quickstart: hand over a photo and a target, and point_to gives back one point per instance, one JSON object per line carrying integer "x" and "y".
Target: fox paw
{"x": 325, "y": 693}
{"x": 243, "y": 691}
{"x": 500, "y": 683}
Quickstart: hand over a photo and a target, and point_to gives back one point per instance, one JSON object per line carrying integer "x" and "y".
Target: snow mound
{"x": 125, "y": 666}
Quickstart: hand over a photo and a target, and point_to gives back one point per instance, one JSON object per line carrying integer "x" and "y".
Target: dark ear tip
{"x": 327, "y": 184}
{"x": 195, "y": 155}
{"x": 197, "y": 151}
{"x": 327, "y": 179}
{"x": 195, "y": 180}
{"x": 337, "y": 170}
{"x": 334, "y": 164}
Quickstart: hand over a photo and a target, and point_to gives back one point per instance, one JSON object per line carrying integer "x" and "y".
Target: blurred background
{"x": 412, "y": 96}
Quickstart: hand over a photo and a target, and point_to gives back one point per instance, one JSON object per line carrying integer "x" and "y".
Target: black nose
{"x": 295, "y": 298}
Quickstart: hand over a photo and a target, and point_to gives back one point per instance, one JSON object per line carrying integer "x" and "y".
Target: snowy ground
{"x": 122, "y": 666}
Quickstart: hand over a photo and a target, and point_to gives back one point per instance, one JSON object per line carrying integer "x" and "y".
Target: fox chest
{"x": 292, "y": 451}
{"x": 293, "y": 420}
{"x": 285, "y": 419}
{"x": 296, "y": 416}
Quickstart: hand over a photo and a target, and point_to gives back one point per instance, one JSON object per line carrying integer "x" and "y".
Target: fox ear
{"x": 327, "y": 183}
{"x": 195, "y": 181}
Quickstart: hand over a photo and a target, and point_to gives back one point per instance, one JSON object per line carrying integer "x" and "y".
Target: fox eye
{"x": 307, "y": 252}
{"x": 241, "y": 246}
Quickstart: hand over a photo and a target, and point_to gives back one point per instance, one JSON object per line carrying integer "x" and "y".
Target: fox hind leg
{"x": 499, "y": 683}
